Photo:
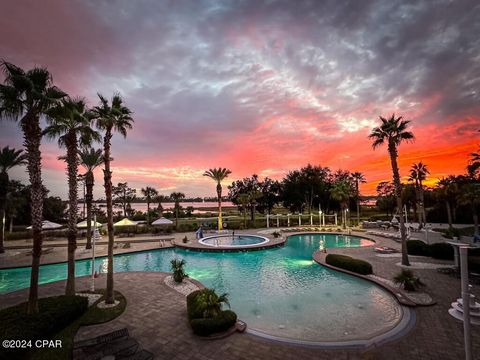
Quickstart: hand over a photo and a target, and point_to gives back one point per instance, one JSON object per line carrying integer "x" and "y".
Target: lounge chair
{"x": 102, "y": 339}
{"x": 385, "y": 250}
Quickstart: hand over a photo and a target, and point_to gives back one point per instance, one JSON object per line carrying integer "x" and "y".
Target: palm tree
{"x": 470, "y": 195}
{"x": 474, "y": 163}
{"x": 418, "y": 173}
{"x": 90, "y": 159}
{"x": 9, "y": 158}
{"x": 111, "y": 117}
{"x": 358, "y": 177}
{"x": 160, "y": 199}
{"x": 176, "y": 198}
{"x": 342, "y": 191}
{"x": 448, "y": 191}
{"x": 393, "y": 132}
{"x": 210, "y": 304}
{"x": 26, "y": 96}
{"x": 150, "y": 193}
{"x": 70, "y": 123}
{"x": 218, "y": 175}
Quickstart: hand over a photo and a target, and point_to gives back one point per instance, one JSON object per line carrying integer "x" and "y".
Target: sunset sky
{"x": 258, "y": 87}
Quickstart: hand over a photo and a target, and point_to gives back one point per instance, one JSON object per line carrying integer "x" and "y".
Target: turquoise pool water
{"x": 233, "y": 241}
{"x": 279, "y": 291}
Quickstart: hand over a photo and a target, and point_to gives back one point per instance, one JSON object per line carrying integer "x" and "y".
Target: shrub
{"x": 408, "y": 280}
{"x": 442, "y": 251}
{"x": 201, "y": 303}
{"x": 348, "y": 263}
{"x": 178, "y": 270}
{"x": 276, "y": 234}
{"x": 208, "y": 326}
{"x": 185, "y": 240}
{"x": 451, "y": 233}
{"x": 55, "y": 313}
{"x": 418, "y": 247}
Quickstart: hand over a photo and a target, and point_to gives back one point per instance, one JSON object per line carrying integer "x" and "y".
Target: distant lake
{"x": 198, "y": 205}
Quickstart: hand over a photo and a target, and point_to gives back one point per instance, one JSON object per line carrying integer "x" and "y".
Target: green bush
{"x": 55, "y": 313}
{"x": 207, "y": 326}
{"x": 442, "y": 251}
{"x": 408, "y": 280}
{"x": 451, "y": 233}
{"x": 418, "y": 247}
{"x": 348, "y": 263}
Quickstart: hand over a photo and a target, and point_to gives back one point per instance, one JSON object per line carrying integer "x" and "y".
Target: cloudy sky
{"x": 257, "y": 86}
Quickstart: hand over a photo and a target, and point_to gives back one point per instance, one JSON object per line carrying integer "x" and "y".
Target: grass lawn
{"x": 16, "y": 319}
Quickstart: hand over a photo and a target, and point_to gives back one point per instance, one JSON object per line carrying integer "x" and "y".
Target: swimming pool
{"x": 243, "y": 240}
{"x": 279, "y": 292}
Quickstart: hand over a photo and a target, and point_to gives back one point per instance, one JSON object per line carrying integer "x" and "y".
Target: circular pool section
{"x": 234, "y": 241}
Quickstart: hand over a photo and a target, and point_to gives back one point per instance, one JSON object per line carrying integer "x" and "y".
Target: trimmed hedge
{"x": 348, "y": 263}
{"x": 55, "y": 313}
{"x": 418, "y": 247}
{"x": 442, "y": 251}
{"x": 207, "y": 326}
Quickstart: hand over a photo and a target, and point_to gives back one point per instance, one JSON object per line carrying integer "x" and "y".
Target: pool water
{"x": 233, "y": 241}
{"x": 279, "y": 292}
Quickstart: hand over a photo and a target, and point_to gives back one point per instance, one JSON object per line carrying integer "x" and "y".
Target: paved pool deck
{"x": 156, "y": 316}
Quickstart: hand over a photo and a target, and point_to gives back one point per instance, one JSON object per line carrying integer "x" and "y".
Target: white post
{"x": 93, "y": 234}
{"x": 268, "y": 221}
{"x": 288, "y": 220}
{"x": 311, "y": 219}
{"x": 319, "y": 217}
{"x": 278, "y": 220}
{"x": 323, "y": 219}
{"x": 466, "y": 301}
{"x": 299, "y": 219}
{"x": 3, "y": 226}
{"x": 336, "y": 220}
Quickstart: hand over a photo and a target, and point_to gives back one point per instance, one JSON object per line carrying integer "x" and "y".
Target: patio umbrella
{"x": 125, "y": 222}
{"x": 48, "y": 225}
{"x": 162, "y": 221}
{"x": 83, "y": 224}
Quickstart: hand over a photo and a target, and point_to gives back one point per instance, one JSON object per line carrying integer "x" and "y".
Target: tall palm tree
{"x": 418, "y": 173}
{"x": 110, "y": 117}
{"x": 90, "y": 159}
{"x": 150, "y": 193}
{"x": 470, "y": 195}
{"x": 474, "y": 163}
{"x": 9, "y": 158}
{"x": 26, "y": 96}
{"x": 218, "y": 175}
{"x": 448, "y": 191}
{"x": 342, "y": 191}
{"x": 393, "y": 132}
{"x": 358, "y": 178}
{"x": 177, "y": 197}
{"x": 70, "y": 123}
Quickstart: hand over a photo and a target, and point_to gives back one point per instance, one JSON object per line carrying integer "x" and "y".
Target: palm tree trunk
{"x": 148, "y": 211}
{"x": 176, "y": 215}
{"x": 358, "y": 202}
{"x": 72, "y": 165}
{"x": 449, "y": 214}
{"x": 89, "y": 182}
{"x": 475, "y": 218}
{"x": 3, "y": 201}
{"x": 108, "y": 195}
{"x": 398, "y": 193}
{"x": 219, "y": 195}
{"x": 32, "y": 136}
{"x": 422, "y": 204}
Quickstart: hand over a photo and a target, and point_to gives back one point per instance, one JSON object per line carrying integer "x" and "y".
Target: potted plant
{"x": 408, "y": 280}
{"x": 178, "y": 270}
